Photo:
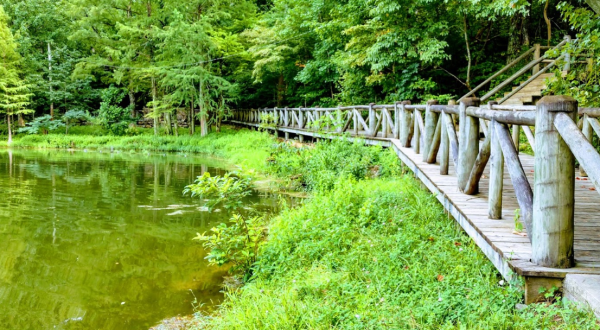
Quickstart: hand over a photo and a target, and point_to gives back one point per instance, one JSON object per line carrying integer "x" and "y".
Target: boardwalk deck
{"x": 509, "y": 251}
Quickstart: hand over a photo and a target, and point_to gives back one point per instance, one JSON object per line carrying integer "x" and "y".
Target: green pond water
{"x": 104, "y": 241}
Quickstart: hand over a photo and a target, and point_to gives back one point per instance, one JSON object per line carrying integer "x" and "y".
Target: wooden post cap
{"x": 406, "y": 102}
{"x": 398, "y": 102}
{"x": 451, "y": 102}
{"x": 471, "y": 101}
{"x": 430, "y": 102}
{"x": 558, "y": 103}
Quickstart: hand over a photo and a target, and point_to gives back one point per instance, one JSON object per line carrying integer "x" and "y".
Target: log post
{"x": 372, "y": 120}
{"x": 406, "y": 124}
{"x": 417, "y": 132}
{"x": 536, "y": 55}
{"x": 587, "y": 132}
{"x": 552, "y": 234}
{"x": 516, "y": 136}
{"x": 384, "y": 123}
{"x": 339, "y": 121}
{"x": 468, "y": 142}
{"x": 300, "y": 118}
{"x": 431, "y": 119}
{"x": 496, "y": 173}
{"x": 397, "y": 121}
{"x": 445, "y": 147}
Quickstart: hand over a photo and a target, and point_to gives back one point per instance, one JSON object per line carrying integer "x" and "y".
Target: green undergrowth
{"x": 239, "y": 146}
{"x": 371, "y": 249}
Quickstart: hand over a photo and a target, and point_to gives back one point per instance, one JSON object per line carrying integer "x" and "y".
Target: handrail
{"x": 532, "y": 78}
{"x": 518, "y": 74}
{"x": 501, "y": 71}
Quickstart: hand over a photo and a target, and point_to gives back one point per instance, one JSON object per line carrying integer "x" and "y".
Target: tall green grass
{"x": 372, "y": 250}
{"x": 239, "y": 146}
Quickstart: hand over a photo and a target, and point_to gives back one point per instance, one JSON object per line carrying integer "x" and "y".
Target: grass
{"x": 242, "y": 147}
{"x": 372, "y": 250}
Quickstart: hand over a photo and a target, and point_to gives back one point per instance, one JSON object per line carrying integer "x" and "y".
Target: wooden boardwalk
{"x": 509, "y": 250}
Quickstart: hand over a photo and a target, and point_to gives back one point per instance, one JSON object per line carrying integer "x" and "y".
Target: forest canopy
{"x": 120, "y": 56}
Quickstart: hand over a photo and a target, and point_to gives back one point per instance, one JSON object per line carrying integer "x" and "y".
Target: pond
{"x": 94, "y": 240}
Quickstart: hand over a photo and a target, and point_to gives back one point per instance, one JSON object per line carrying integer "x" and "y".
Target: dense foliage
{"x": 201, "y": 58}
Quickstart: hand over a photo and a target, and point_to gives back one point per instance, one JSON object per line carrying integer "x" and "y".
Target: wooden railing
{"x": 482, "y": 136}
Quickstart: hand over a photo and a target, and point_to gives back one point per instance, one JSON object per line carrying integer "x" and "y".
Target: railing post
{"x": 397, "y": 120}
{"x": 339, "y": 120}
{"x": 516, "y": 136}
{"x": 372, "y": 119}
{"x": 406, "y": 123}
{"x": 496, "y": 173}
{"x": 445, "y": 146}
{"x": 554, "y": 187}
{"x": 536, "y": 55}
{"x": 587, "y": 132}
{"x": 468, "y": 142}
{"x": 567, "y": 66}
{"x": 431, "y": 119}
{"x": 416, "y": 131}
{"x": 300, "y": 118}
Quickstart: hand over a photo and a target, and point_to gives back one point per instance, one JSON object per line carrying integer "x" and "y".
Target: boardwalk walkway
{"x": 508, "y": 250}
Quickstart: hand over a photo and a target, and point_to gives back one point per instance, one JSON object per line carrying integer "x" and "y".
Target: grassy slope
{"x": 379, "y": 254}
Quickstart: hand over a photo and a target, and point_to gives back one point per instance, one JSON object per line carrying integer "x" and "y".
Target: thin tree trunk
{"x": 469, "y": 58}
{"x": 50, "y": 81}
{"x": 549, "y": 27}
{"x": 20, "y": 119}
{"x": 168, "y": 123}
{"x": 154, "y": 110}
{"x": 9, "y": 129}
{"x": 280, "y": 91}
{"x": 132, "y": 103}
{"x": 176, "y": 124}
{"x": 192, "y": 119}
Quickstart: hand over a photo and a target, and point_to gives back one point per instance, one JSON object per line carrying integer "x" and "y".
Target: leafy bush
{"x": 73, "y": 117}
{"x": 43, "y": 124}
{"x": 112, "y": 116}
{"x": 227, "y": 190}
{"x": 236, "y": 243}
{"x": 320, "y": 167}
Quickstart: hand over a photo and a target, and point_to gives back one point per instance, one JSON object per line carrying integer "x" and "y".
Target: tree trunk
{"x": 132, "y": 103}
{"x": 203, "y": 123}
{"x": 192, "y": 118}
{"x": 168, "y": 123}
{"x": 280, "y": 91}
{"x": 154, "y": 110}
{"x": 50, "y": 81}
{"x": 518, "y": 36}
{"x": 20, "y": 119}
{"x": 9, "y": 129}
{"x": 176, "y": 124}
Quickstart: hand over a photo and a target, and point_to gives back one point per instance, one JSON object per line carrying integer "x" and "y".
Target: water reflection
{"x": 102, "y": 241}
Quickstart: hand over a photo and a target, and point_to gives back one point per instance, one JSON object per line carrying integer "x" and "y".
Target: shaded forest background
{"x": 215, "y": 55}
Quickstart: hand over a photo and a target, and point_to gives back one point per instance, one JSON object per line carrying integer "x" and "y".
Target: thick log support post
{"x": 431, "y": 119}
{"x": 516, "y": 136}
{"x": 554, "y": 187}
{"x": 468, "y": 142}
{"x": 587, "y": 132}
{"x": 372, "y": 120}
{"x": 406, "y": 124}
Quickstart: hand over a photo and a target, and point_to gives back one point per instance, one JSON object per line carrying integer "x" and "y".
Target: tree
{"x": 14, "y": 92}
